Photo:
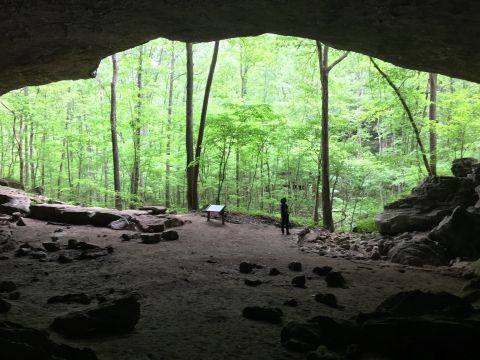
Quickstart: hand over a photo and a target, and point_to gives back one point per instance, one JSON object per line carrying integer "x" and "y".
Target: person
{"x": 285, "y": 224}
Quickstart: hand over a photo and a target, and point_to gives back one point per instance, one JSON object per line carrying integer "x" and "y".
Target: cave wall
{"x": 42, "y": 41}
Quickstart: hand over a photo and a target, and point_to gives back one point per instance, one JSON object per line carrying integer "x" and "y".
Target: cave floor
{"x": 192, "y": 293}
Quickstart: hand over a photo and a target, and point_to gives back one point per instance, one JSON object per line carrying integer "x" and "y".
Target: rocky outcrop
{"x": 410, "y": 325}
{"x": 414, "y": 249}
{"x": 114, "y": 317}
{"x": 463, "y": 167}
{"x": 46, "y": 41}
{"x": 460, "y": 233}
{"x": 23, "y": 343}
{"x": 427, "y": 205}
{"x": 12, "y": 201}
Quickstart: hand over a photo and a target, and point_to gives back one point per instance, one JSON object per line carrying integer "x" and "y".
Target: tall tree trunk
{"x": 325, "y": 69}
{"x": 409, "y": 116}
{"x": 169, "y": 127}
{"x": 203, "y": 119}
{"x": 137, "y": 132}
{"x": 113, "y": 126}
{"x": 191, "y": 203}
{"x": 433, "y": 122}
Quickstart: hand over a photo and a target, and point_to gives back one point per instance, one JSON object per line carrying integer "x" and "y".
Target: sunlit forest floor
{"x": 192, "y": 293}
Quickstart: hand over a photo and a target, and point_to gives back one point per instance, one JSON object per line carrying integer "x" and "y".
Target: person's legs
{"x": 287, "y": 225}
{"x": 282, "y": 225}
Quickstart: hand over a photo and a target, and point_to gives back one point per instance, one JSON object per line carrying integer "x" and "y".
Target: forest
{"x": 242, "y": 122}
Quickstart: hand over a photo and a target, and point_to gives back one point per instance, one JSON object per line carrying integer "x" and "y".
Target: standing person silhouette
{"x": 285, "y": 224}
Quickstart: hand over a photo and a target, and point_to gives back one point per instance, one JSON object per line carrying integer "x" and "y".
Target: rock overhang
{"x": 45, "y": 41}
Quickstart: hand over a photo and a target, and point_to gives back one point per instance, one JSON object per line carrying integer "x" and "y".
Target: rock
{"x": 271, "y": 315}
{"x": 419, "y": 338}
{"x": 322, "y": 353}
{"x": 460, "y": 233}
{"x": 38, "y": 254}
{"x": 427, "y": 205}
{"x": 462, "y": 167}
{"x": 72, "y": 244}
{"x": 126, "y": 237}
{"x": 23, "y": 250}
{"x": 7, "y": 286}
{"x": 335, "y": 279}
{"x": 472, "y": 285}
{"x": 149, "y": 238}
{"x": 321, "y": 330}
{"x": 21, "y": 222}
{"x": 253, "y": 282}
{"x": 246, "y": 268}
{"x": 173, "y": 222}
{"x": 80, "y": 298}
{"x": 274, "y": 272}
{"x": 299, "y": 281}
{"x": 51, "y": 246}
{"x": 13, "y": 201}
{"x": 14, "y": 295}
{"x": 150, "y": 224}
{"x": 119, "y": 224}
{"x": 39, "y": 190}
{"x": 22, "y": 343}
{"x": 418, "y": 251}
{"x": 92, "y": 254}
{"x": 154, "y": 210}
{"x": 291, "y": 303}
{"x": 327, "y": 299}
{"x": 417, "y": 303}
{"x": 113, "y": 317}
{"x": 295, "y": 266}
{"x": 4, "y": 307}
{"x": 64, "y": 259}
{"x": 375, "y": 256}
{"x": 170, "y": 235}
{"x": 322, "y": 271}
{"x": 107, "y": 218}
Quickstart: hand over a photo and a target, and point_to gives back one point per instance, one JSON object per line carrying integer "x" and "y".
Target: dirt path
{"x": 192, "y": 292}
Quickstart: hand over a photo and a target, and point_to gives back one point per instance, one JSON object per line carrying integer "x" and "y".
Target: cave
{"x": 80, "y": 281}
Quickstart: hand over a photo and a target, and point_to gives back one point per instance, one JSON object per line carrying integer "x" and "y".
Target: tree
{"x": 432, "y": 115}
{"x": 169, "y": 126}
{"x": 113, "y": 126}
{"x": 409, "y": 115}
{"x": 325, "y": 69}
{"x": 192, "y": 202}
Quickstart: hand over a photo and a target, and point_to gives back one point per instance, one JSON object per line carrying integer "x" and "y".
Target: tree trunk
{"x": 113, "y": 126}
{"x": 191, "y": 203}
{"x": 203, "y": 119}
{"x": 137, "y": 132}
{"x": 433, "y": 122}
{"x": 169, "y": 128}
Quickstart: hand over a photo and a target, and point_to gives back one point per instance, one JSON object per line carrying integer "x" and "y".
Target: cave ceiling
{"x": 42, "y": 41}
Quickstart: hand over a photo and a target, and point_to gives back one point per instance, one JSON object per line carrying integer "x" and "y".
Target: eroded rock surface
{"x": 46, "y": 41}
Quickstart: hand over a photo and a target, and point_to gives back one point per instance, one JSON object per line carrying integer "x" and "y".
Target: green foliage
{"x": 365, "y": 226}
{"x": 262, "y": 133}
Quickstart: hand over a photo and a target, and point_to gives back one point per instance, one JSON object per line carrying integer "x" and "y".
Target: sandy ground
{"x": 192, "y": 292}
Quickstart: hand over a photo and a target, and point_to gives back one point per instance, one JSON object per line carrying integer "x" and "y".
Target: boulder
{"x": 7, "y": 286}
{"x": 427, "y": 205}
{"x": 119, "y": 224}
{"x": 321, "y": 270}
{"x": 80, "y": 298}
{"x": 418, "y": 251}
{"x": 327, "y": 299}
{"x": 299, "y": 281}
{"x": 335, "y": 279}
{"x": 149, "y": 238}
{"x": 171, "y": 222}
{"x": 295, "y": 266}
{"x": 246, "y": 267}
{"x": 150, "y": 223}
{"x": 4, "y": 308}
{"x": 418, "y": 303}
{"x": 321, "y": 330}
{"x": 271, "y": 315}
{"x": 51, "y": 246}
{"x": 113, "y": 317}
{"x": 274, "y": 272}
{"x": 12, "y": 201}
{"x": 154, "y": 210}
{"x": 460, "y": 233}
{"x": 170, "y": 235}
{"x": 463, "y": 167}
{"x": 252, "y": 283}
{"x": 23, "y": 343}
